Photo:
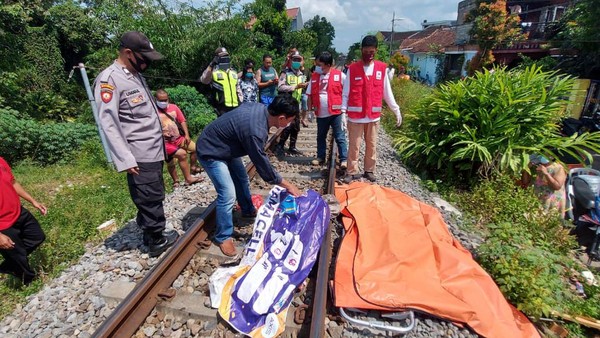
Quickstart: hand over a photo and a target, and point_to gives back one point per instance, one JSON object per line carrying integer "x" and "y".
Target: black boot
{"x": 293, "y": 150}
{"x": 159, "y": 243}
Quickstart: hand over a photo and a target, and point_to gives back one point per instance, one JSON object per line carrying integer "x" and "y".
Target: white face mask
{"x": 162, "y": 104}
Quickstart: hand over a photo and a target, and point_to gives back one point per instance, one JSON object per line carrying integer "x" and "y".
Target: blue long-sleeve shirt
{"x": 242, "y": 131}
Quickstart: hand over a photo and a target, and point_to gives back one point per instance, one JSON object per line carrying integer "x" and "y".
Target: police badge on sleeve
{"x": 106, "y": 92}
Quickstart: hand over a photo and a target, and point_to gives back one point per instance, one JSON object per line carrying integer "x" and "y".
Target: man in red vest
{"x": 325, "y": 97}
{"x": 365, "y": 88}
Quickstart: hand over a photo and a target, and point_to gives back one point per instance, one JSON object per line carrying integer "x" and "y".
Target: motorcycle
{"x": 583, "y": 208}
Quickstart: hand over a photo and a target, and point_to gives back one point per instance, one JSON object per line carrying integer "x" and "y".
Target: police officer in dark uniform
{"x": 292, "y": 81}
{"x": 223, "y": 79}
{"x": 129, "y": 118}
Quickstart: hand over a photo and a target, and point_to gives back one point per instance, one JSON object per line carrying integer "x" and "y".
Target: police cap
{"x": 138, "y": 42}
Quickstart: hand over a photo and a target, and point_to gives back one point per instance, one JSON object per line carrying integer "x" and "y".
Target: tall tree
{"x": 578, "y": 34}
{"x": 492, "y": 27}
{"x": 324, "y": 32}
{"x": 270, "y": 19}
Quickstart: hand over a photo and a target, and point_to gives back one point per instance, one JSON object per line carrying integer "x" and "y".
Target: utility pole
{"x": 90, "y": 94}
{"x": 392, "y": 35}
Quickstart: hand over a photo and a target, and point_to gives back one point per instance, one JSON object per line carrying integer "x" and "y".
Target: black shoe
{"x": 370, "y": 176}
{"x": 279, "y": 152}
{"x": 159, "y": 245}
{"x": 349, "y": 178}
{"x": 147, "y": 237}
{"x": 294, "y": 151}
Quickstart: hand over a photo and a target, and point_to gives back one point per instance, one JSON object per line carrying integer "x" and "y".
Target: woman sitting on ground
{"x": 549, "y": 184}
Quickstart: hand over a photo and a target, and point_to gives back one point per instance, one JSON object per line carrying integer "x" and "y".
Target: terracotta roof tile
{"x": 422, "y": 41}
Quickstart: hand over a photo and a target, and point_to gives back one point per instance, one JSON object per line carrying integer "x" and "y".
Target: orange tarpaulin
{"x": 398, "y": 254}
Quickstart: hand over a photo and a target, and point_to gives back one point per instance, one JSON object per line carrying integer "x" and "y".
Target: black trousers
{"x": 290, "y": 132}
{"x": 27, "y": 235}
{"x": 147, "y": 192}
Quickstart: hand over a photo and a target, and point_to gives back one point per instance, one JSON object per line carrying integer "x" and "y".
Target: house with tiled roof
{"x": 295, "y": 15}
{"x": 426, "y": 50}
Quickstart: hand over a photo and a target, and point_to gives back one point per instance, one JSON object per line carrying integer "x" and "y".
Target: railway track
{"x": 308, "y": 313}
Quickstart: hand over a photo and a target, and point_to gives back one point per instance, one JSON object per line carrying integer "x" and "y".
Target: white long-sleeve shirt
{"x": 388, "y": 95}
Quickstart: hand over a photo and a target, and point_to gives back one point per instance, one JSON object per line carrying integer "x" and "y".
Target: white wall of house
{"x": 426, "y": 64}
{"x": 468, "y": 56}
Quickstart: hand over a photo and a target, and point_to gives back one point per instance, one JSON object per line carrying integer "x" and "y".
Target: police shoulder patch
{"x": 107, "y": 86}
{"x": 106, "y": 95}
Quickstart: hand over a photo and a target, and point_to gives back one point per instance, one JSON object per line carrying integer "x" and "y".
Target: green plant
{"x": 526, "y": 250}
{"x": 22, "y": 137}
{"x": 408, "y": 95}
{"x": 198, "y": 112}
{"x": 528, "y": 276}
{"x": 489, "y": 123}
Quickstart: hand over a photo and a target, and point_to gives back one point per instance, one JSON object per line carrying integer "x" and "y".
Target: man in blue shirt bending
{"x": 220, "y": 147}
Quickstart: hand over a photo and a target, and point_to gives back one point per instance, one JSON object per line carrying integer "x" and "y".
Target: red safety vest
{"x": 334, "y": 92}
{"x": 366, "y": 94}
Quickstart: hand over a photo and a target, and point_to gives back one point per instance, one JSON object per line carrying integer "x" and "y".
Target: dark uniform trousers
{"x": 147, "y": 191}
{"x": 27, "y": 235}
{"x": 222, "y": 109}
{"x": 290, "y": 132}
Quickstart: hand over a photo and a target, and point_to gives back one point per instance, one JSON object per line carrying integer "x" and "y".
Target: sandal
{"x": 176, "y": 184}
{"x": 195, "y": 170}
{"x": 196, "y": 180}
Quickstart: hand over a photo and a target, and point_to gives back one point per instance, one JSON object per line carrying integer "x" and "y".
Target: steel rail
{"x": 319, "y": 308}
{"x": 131, "y": 313}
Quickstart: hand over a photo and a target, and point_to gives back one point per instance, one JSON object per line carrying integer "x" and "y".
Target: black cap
{"x": 138, "y": 42}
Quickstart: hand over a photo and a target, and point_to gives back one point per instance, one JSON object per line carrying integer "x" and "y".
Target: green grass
{"x": 80, "y": 195}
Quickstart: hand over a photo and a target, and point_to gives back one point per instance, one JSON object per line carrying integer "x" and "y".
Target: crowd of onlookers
{"x": 144, "y": 130}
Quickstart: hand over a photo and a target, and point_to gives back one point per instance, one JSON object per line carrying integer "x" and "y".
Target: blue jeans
{"x": 266, "y": 99}
{"x": 230, "y": 180}
{"x": 323, "y": 125}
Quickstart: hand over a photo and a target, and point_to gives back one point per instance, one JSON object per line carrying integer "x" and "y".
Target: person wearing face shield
{"x": 223, "y": 79}
{"x": 129, "y": 118}
{"x": 292, "y": 81}
{"x": 365, "y": 87}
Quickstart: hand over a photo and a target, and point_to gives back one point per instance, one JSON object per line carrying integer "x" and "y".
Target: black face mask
{"x": 137, "y": 65}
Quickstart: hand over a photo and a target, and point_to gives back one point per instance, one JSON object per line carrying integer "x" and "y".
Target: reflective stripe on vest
{"x": 292, "y": 80}
{"x": 225, "y": 84}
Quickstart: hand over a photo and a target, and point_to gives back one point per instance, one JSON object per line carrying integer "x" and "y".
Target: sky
{"x": 353, "y": 19}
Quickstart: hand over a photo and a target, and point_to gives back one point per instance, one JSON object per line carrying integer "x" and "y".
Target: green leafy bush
{"x": 408, "y": 95}
{"x": 489, "y": 123}
{"x": 526, "y": 250}
{"x": 22, "y": 137}
{"x": 198, "y": 112}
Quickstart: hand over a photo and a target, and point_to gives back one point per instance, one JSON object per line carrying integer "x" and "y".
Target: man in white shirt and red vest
{"x": 325, "y": 97}
{"x": 365, "y": 87}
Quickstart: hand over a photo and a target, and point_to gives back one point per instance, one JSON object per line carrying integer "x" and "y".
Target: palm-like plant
{"x": 491, "y": 122}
